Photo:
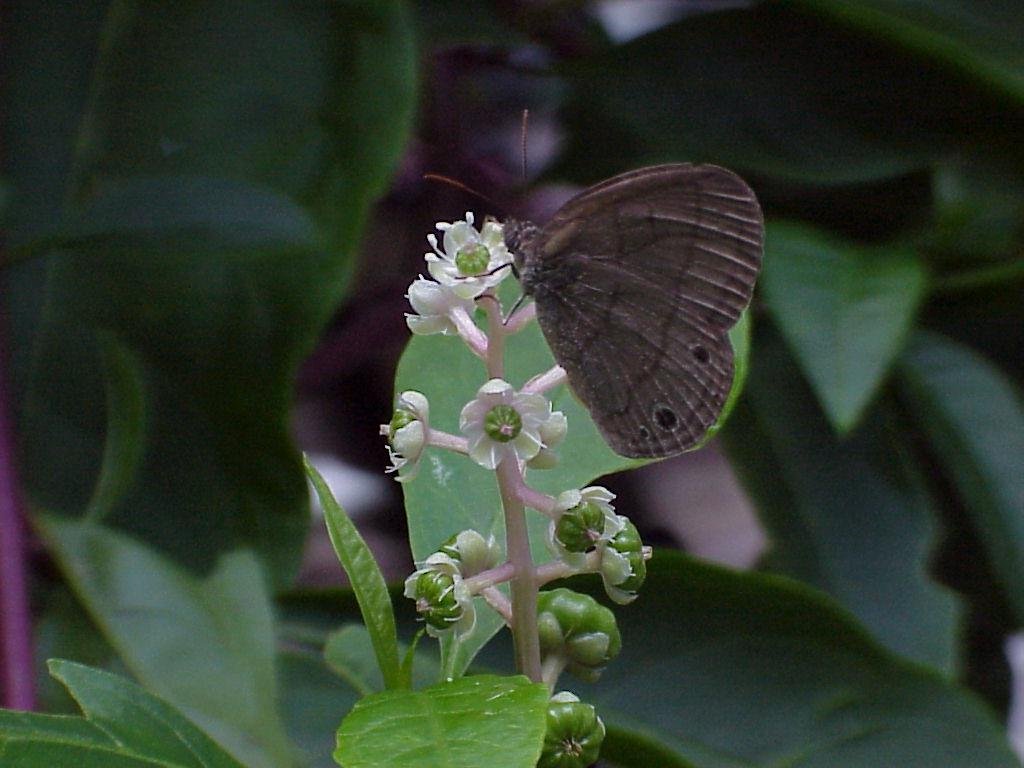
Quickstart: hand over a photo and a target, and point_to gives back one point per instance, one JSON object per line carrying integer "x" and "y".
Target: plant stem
{"x": 495, "y": 337}
{"x": 542, "y": 382}
{"x": 497, "y": 600}
{"x": 17, "y": 691}
{"x": 524, "y": 582}
{"x": 554, "y": 666}
{"x": 473, "y": 336}
{"x": 447, "y": 440}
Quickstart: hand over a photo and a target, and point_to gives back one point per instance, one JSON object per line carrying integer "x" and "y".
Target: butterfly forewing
{"x": 637, "y": 282}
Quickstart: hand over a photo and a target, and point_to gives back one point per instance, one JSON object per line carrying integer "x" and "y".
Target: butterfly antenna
{"x": 459, "y": 185}
{"x": 526, "y": 123}
{"x": 518, "y": 303}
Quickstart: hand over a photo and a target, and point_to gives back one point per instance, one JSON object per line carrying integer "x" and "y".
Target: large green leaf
{"x": 205, "y": 645}
{"x": 850, "y": 517}
{"x": 777, "y": 90}
{"x": 473, "y": 721}
{"x": 844, "y": 311}
{"x": 974, "y": 419}
{"x": 452, "y": 493}
{"x": 634, "y": 748}
{"x": 733, "y": 670}
{"x": 981, "y": 38}
{"x": 123, "y": 727}
{"x": 52, "y": 48}
{"x": 313, "y": 702}
{"x": 224, "y": 168}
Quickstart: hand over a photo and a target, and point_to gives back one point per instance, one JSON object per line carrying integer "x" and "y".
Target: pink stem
{"x": 473, "y": 336}
{"x": 520, "y": 318}
{"x": 524, "y": 581}
{"x": 533, "y": 498}
{"x": 16, "y": 667}
{"x": 497, "y": 600}
{"x": 542, "y": 382}
{"x": 447, "y": 440}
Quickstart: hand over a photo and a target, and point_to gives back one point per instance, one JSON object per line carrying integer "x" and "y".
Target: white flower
{"x": 407, "y": 434}
{"x": 501, "y": 422}
{"x": 623, "y": 568}
{"x": 470, "y": 261}
{"x": 615, "y": 569}
{"x": 552, "y": 432}
{"x": 441, "y": 596}
{"x": 433, "y": 304}
{"x": 584, "y": 519}
{"x": 473, "y": 553}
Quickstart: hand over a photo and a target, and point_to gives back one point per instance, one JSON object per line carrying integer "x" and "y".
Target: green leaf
{"x": 217, "y": 200}
{"x": 183, "y": 212}
{"x": 367, "y": 581}
{"x": 123, "y": 725}
{"x": 205, "y": 645}
{"x": 63, "y": 630}
{"x": 313, "y": 701}
{"x": 974, "y": 420}
{"x": 844, "y": 311}
{"x": 978, "y": 214}
{"x": 349, "y": 653}
{"x": 777, "y": 90}
{"x": 633, "y": 748}
{"x": 981, "y": 39}
{"x": 473, "y": 721}
{"x": 745, "y": 670}
{"x": 850, "y": 517}
{"x": 451, "y": 493}
{"x": 53, "y": 47}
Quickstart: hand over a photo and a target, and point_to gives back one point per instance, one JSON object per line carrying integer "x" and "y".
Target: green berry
{"x": 573, "y": 736}
{"x": 579, "y": 629}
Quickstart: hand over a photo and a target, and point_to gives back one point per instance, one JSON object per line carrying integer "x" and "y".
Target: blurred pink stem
{"x": 17, "y": 689}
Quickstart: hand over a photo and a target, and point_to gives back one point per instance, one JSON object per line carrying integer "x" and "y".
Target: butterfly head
{"x": 520, "y": 239}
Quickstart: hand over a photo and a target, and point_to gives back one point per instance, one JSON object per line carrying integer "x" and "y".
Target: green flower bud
{"x": 574, "y": 734}
{"x": 579, "y": 528}
{"x": 627, "y": 542}
{"x": 579, "y": 629}
{"x": 402, "y": 418}
{"x": 435, "y": 599}
{"x": 472, "y": 552}
{"x": 545, "y": 459}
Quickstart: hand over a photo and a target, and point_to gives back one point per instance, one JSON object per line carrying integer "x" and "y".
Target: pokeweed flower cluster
{"x": 512, "y": 430}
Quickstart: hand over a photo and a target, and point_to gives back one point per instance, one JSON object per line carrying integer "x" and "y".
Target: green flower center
{"x": 503, "y": 423}
{"x": 472, "y": 259}
{"x": 402, "y": 418}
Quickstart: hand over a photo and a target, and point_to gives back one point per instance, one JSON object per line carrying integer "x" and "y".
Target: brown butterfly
{"x": 637, "y": 281}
